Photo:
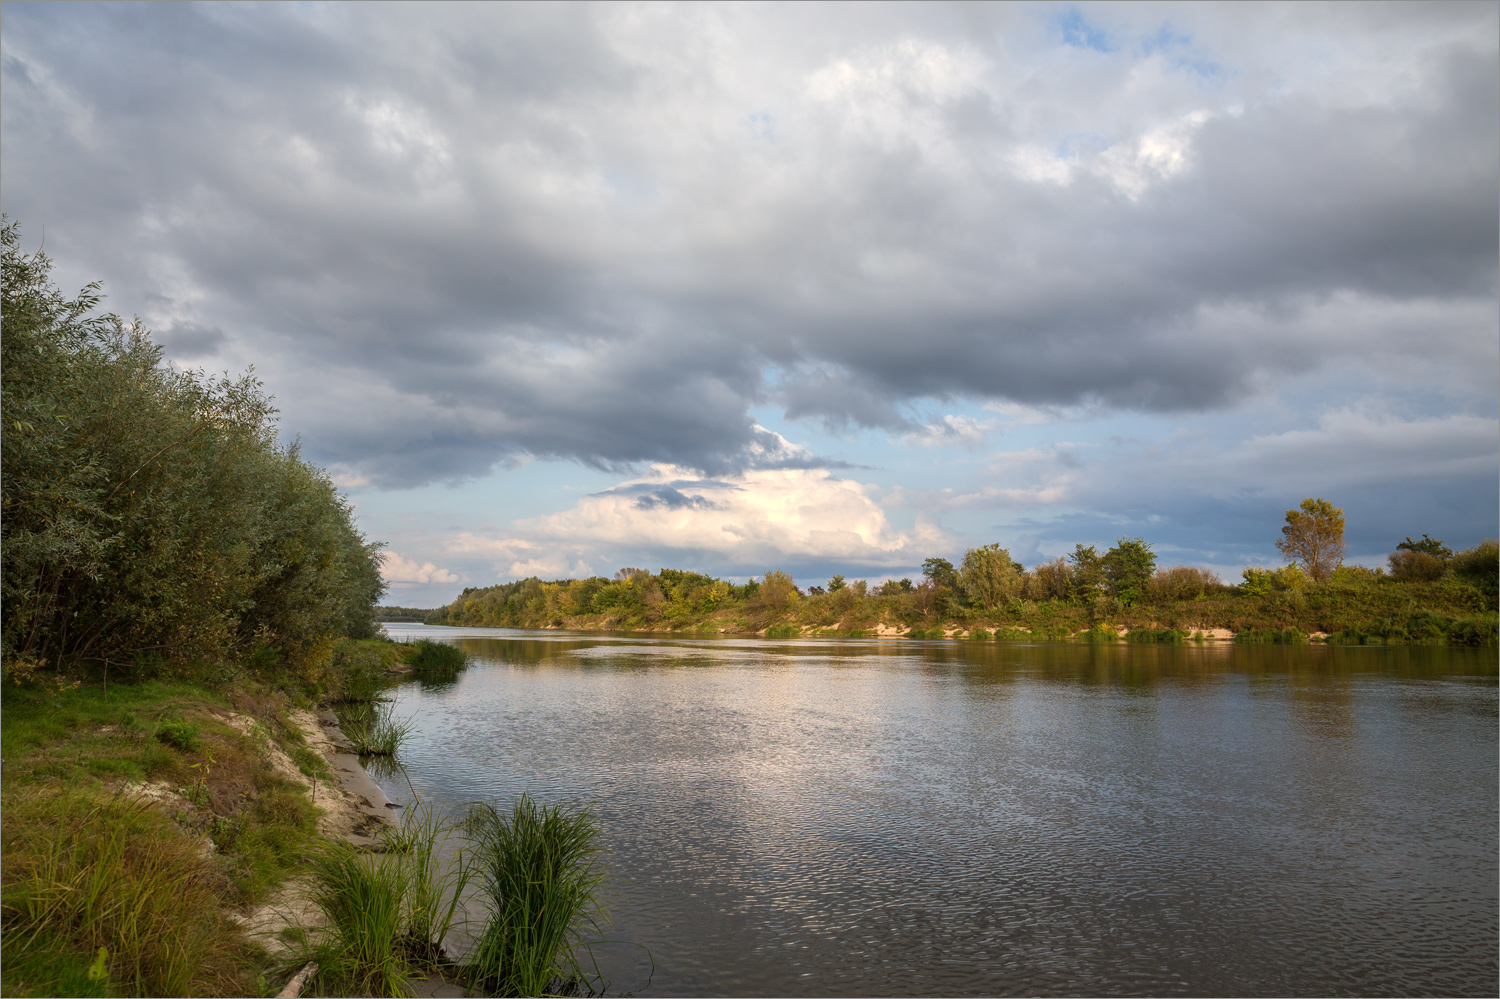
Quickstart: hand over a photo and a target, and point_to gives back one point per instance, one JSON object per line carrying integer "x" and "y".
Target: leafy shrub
{"x": 1049, "y": 581}
{"x": 783, "y": 631}
{"x": 1180, "y": 582}
{"x": 980, "y": 634}
{"x": 1256, "y": 582}
{"x": 1100, "y": 632}
{"x": 1156, "y": 636}
{"x": 179, "y": 735}
{"x": 1416, "y": 565}
{"x": 1013, "y": 635}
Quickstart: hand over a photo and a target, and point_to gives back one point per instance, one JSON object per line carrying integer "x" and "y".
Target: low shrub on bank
{"x": 1157, "y": 636}
{"x": 1271, "y": 636}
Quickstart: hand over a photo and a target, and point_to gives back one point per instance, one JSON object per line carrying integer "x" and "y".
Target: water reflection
{"x": 807, "y": 817}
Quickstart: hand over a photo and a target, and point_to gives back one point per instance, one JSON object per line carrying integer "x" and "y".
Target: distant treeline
{"x": 152, "y": 522}
{"x": 1089, "y": 594}
{"x": 413, "y": 614}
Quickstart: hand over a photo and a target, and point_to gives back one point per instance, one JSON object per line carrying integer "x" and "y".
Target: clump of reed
{"x": 538, "y": 875}
{"x": 439, "y": 658}
{"x": 388, "y": 912}
{"x": 373, "y": 729}
{"x": 105, "y": 896}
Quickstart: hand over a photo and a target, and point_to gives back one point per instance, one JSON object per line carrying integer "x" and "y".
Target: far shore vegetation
{"x": 1431, "y": 595}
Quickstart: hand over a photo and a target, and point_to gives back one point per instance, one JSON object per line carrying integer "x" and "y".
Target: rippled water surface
{"x": 944, "y": 818}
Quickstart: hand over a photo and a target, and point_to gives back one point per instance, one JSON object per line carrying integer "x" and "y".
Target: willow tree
{"x": 989, "y": 577}
{"x": 151, "y": 517}
{"x": 1314, "y": 538}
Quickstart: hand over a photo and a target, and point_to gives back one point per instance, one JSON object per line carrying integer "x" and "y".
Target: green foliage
{"x": 538, "y": 876}
{"x": 363, "y": 898}
{"x": 1314, "y": 538}
{"x": 1256, "y": 581}
{"x": 1128, "y": 568}
{"x": 989, "y": 577}
{"x": 1156, "y": 636}
{"x": 940, "y": 572}
{"x": 1480, "y": 567}
{"x": 1427, "y": 546}
{"x": 356, "y": 671}
{"x": 180, "y": 735}
{"x": 980, "y": 634}
{"x": 783, "y": 631}
{"x": 1013, "y": 635}
{"x": 777, "y": 591}
{"x": 1088, "y": 570}
{"x": 432, "y": 657}
{"x": 835, "y": 583}
{"x": 1272, "y": 636}
{"x": 151, "y": 521}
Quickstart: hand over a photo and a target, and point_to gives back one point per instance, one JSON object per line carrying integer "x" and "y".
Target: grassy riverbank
{"x": 1354, "y": 605}
{"x": 143, "y": 822}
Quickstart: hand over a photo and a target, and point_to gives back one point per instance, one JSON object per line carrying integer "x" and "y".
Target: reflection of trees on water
{"x": 984, "y": 663}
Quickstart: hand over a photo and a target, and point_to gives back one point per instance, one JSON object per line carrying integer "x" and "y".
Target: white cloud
{"x": 400, "y": 571}
{"x": 762, "y": 517}
{"x": 964, "y": 431}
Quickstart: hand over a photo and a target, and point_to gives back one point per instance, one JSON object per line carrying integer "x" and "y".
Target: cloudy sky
{"x": 557, "y": 289}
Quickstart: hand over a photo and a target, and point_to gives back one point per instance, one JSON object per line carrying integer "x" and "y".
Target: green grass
{"x": 85, "y": 871}
{"x": 373, "y": 729}
{"x": 361, "y": 895}
{"x": 1157, "y": 636}
{"x": 389, "y": 912}
{"x": 537, "y": 872}
{"x": 1271, "y": 636}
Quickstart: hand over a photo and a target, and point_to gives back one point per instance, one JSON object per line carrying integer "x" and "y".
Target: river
{"x": 959, "y": 818}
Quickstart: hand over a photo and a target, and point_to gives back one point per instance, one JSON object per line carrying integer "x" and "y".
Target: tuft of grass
{"x": 180, "y": 735}
{"x": 539, "y": 879}
{"x": 373, "y": 729}
{"x": 362, "y": 896}
{"x": 428, "y": 656}
{"x": 104, "y": 895}
{"x": 980, "y": 634}
{"x": 389, "y": 912}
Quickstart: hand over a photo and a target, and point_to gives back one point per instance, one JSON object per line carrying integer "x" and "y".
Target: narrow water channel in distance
{"x": 952, "y": 818}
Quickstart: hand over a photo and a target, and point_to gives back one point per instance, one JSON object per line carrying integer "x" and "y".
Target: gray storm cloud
{"x": 451, "y": 236}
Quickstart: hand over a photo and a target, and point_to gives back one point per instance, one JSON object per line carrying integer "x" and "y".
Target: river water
{"x": 949, "y": 818}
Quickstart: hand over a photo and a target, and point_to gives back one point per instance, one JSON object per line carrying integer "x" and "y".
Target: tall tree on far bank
{"x": 990, "y": 577}
{"x": 1314, "y": 538}
{"x": 1128, "y": 567}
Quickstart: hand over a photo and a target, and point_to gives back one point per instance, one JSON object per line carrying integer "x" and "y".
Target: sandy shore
{"x": 352, "y": 808}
